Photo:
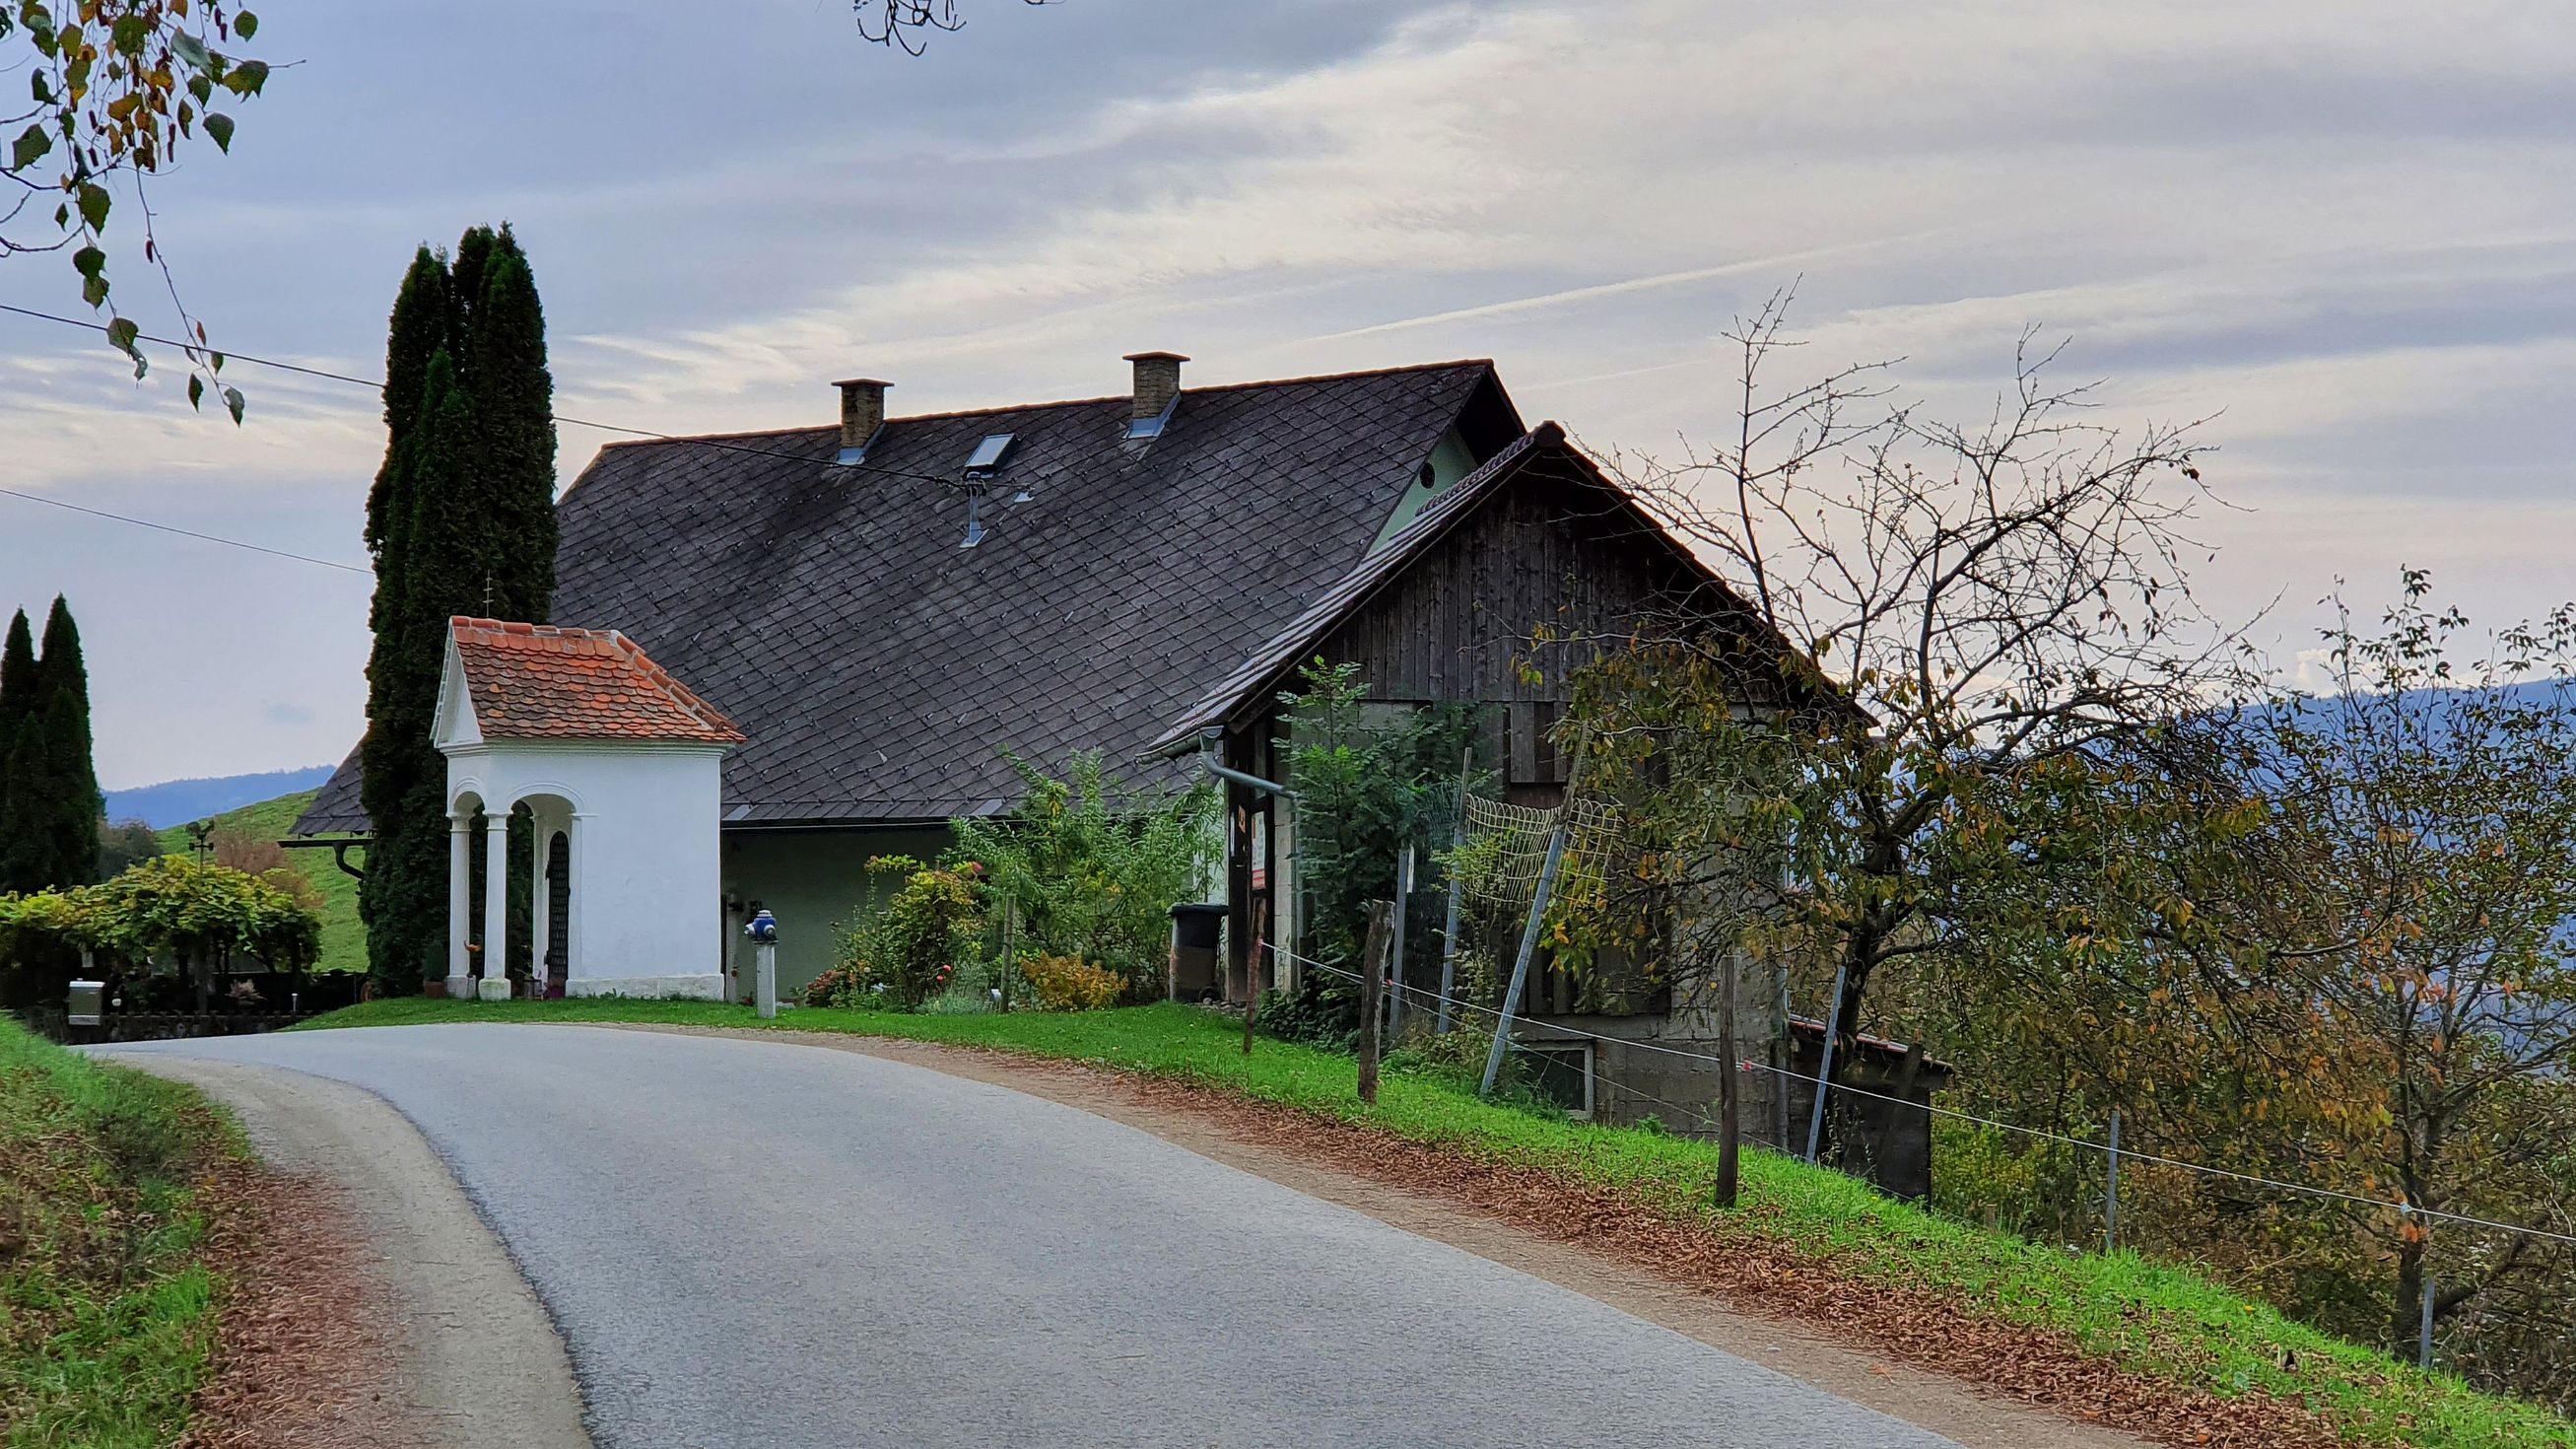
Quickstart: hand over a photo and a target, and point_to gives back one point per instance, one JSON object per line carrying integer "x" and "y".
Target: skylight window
{"x": 988, "y": 454}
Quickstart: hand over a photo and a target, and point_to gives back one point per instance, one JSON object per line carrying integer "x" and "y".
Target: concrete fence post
{"x": 1825, "y": 1066}
{"x": 2111, "y": 1195}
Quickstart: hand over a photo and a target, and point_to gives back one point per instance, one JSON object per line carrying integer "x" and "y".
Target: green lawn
{"x": 344, "y": 937}
{"x": 2142, "y": 1315}
{"x": 107, "y": 1309}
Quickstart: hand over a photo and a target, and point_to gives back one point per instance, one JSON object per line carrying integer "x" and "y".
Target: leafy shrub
{"x": 1370, "y": 777}
{"x": 1316, "y": 1014}
{"x": 1094, "y": 870}
{"x": 911, "y": 945}
{"x": 840, "y": 986}
{"x": 201, "y": 914}
{"x": 1069, "y": 983}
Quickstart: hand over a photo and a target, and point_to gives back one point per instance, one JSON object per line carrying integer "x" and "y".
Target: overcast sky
{"x": 2348, "y": 230}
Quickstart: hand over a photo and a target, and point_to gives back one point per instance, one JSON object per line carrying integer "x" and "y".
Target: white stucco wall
{"x": 646, "y": 866}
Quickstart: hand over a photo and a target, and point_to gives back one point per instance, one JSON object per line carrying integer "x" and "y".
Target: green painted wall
{"x": 811, "y": 880}
{"x": 1450, "y": 461}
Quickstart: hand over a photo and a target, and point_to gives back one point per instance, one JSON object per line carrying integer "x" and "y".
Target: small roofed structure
{"x": 1885, "y": 1132}
{"x": 619, "y": 767}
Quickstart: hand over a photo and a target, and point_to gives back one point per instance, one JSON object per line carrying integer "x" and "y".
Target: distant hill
{"x": 176, "y": 802}
{"x": 344, "y": 938}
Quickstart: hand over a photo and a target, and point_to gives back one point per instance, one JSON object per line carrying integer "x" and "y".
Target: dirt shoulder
{"x": 369, "y": 1305}
{"x": 1530, "y": 1223}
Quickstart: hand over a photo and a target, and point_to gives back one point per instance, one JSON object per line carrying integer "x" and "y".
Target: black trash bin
{"x": 1196, "y": 929}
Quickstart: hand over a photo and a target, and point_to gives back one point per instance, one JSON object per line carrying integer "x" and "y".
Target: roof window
{"x": 989, "y": 453}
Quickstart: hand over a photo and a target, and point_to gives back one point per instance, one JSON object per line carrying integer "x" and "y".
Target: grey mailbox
{"x": 88, "y": 1003}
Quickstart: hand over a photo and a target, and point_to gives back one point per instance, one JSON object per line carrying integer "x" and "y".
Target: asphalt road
{"x": 760, "y": 1244}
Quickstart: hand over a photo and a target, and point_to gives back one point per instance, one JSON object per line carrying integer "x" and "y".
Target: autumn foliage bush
{"x": 1069, "y": 983}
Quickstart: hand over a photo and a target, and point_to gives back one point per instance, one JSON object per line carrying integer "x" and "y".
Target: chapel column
{"x": 460, "y": 905}
{"x": 495, "y": 985}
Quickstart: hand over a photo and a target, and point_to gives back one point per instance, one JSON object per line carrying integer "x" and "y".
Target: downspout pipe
{"x": 1211, "y": 742}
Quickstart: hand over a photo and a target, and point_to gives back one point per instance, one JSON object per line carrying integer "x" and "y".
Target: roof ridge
{"x": 989, "y": 410}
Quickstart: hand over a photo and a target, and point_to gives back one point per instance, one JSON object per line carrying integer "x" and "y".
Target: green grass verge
{"x": 2145, "y": 1316}
{"x": 107, "y": 1307}
{"x": 344, "y": 936}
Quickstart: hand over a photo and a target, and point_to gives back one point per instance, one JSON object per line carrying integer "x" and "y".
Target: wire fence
{"x": 2112, "y": 1152}
{"x": 1518, "y": 849}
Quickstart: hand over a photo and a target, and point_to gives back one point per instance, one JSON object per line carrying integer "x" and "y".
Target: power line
{"x": 2404, "y": 1209}
{"x": 185, "y": 532}
{"x": 330, "y": 376}
{"x": 324, "y": 373}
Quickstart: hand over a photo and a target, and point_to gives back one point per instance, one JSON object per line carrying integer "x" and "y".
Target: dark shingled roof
{"x": 1259, "y": 676}
{"x": 1263, "y": 667}
{"x": 879, "y": 670}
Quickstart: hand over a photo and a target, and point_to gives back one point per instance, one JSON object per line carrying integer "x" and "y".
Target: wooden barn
{"x": 1495, "y": 595}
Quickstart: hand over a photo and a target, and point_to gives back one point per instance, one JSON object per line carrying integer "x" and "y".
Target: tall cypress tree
{"x": 76, "y": 807}
{"x": 444, "y": 547}
{"x": 418, "y": 328}
{"x": 462, "y": 522}
{"x": 390, "y": 756}
{"x": 514, "y": 460}
{"x": 18, "y": 701}
{"x": 25, "y": 807}
{"x": 20, "y": 694}
{"x": 465, "y": 291}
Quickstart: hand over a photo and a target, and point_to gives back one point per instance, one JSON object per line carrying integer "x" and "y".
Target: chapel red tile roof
{"x": 539, "y": 682}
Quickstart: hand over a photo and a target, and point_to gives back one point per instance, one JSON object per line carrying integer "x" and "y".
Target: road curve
{"x": 760, "y": 1244}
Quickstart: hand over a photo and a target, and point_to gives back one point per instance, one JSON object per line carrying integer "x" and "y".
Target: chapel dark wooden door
{"x": 558, "y": 913}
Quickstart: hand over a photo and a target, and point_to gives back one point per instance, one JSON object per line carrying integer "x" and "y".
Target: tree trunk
{"x": 1860, "y": 957}
{"x": 2405, "y": 1319}
{"x": 1372, "y": 973}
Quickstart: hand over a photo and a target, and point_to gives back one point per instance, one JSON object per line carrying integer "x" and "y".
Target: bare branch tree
{"x": 1975, "y": 616}
{"x": 907, "y": 24}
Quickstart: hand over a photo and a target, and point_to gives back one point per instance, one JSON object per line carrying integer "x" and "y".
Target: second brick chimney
{"x": 1158, "y": 381}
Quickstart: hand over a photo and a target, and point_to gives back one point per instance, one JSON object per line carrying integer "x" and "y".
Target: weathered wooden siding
{"x": 1546, "y": 555}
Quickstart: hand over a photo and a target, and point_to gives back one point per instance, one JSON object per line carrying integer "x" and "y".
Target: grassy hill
{"x": 176, "y": 802}
{"x": 344, "y": 939}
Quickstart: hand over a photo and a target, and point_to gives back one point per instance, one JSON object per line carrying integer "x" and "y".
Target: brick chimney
{"x": 1158, "y": 381}
{"x": 862, "y": 413}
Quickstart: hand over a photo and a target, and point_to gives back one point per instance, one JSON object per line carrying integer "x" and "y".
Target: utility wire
{"x": 328, "y": 375}
{"x": 2404, "y": 1209}
{"x": 557, "y": 417}
{"x": 184, "y": 532}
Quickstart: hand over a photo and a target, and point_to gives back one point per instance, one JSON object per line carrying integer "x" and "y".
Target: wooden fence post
{"x": 1372, "y": 972}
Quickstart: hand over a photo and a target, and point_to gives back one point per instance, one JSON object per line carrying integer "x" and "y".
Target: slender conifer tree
{"x": 462, "y": 522}
{"x": 514, "y": 459}
{"x": 76, "y": 809}
{"x": 18, "y": 688}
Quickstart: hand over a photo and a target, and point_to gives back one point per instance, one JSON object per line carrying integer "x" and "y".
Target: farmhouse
{"x": 887, "y": 609}
{"x": 886, "y": 606}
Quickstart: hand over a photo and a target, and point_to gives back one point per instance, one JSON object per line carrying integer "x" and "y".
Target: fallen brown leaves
{"x": 1766, "y": 1276}
{"x": 307, "y": 1343}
